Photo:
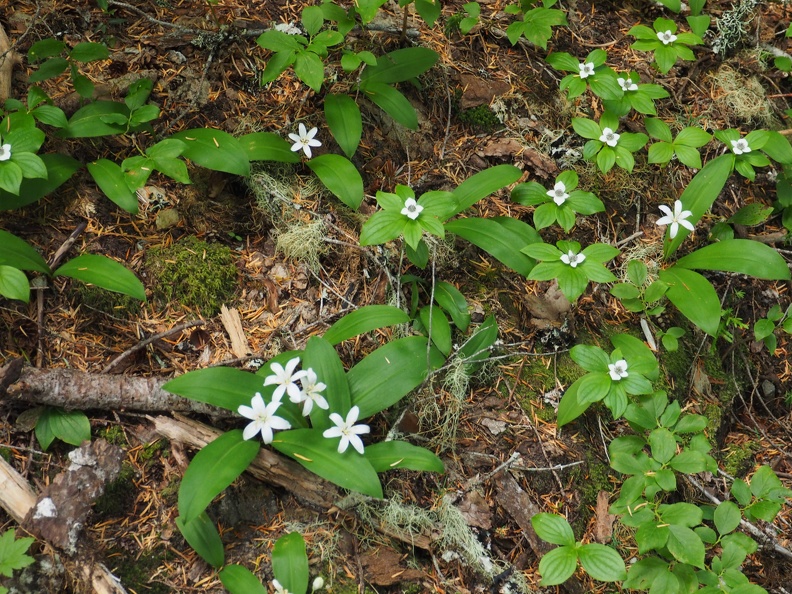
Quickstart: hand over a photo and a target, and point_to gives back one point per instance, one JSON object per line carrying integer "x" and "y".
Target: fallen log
{"x": 71, "y": 389}
{"x": 278, "y": 470}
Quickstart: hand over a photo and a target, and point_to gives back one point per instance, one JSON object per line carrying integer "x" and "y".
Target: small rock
{"x": 768, "y": 389}
{"x": 167, "y": 219}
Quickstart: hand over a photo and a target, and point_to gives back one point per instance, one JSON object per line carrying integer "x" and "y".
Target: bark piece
{"x": 477, "y": 91}
{"x": 62, "y": 507}
{"x": 475, "y": 509}
{"x": 8, "y": 59}
{"x": 514, "y": 500}
{"x": 233, "y": 325}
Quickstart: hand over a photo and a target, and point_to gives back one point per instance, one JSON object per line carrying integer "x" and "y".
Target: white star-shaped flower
{"x": 278, "y": 588}
{"x": 740, "y": 146}
{"x": 626, "y": 84}
{"x": 558, "y": 193}
{"x": 309, "y": 395}
{"x": 263, "y": 417}
{"x": 609, "y": 137}
{"x": 666, "y": 37}
{"x": 347, "y": 430}
{"x": 5, "y": 152}
{"x": 676, "y": 218}
{"x": 411, "y": 208}
{"x": 572, "y": 258}
{"x": 285, "y": 379}
{"x": 618, "y": 370}
{"x": 586, "y": 69}
{"x": 304, "y": 140}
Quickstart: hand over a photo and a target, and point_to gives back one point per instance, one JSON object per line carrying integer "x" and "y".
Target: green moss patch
{"x": 196, "y": 274}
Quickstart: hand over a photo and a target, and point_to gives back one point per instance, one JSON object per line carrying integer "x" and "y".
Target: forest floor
{"x": 292, "y": 265}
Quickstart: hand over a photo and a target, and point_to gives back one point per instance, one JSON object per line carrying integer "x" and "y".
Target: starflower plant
{"x": 590, "y": 72}
{"x": 304, "y": 140}
{"x": 20, "y": 140}
{"x": 571, "y": 266}
{"x": 676, "y": 218}
{"x": 637, "y": 96}
{"x": 606, "y": 144}
{"x": 666, "y": 42}
{"x": 559, "y": 204}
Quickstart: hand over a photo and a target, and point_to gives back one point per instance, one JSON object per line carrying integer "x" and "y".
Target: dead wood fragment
{"x": 603, "y": 528}
{"x": 232, "y": 322}
{"x": 18, "y": 498}
{"x": 72, "y": 389}
{"x": 8, "y": 59}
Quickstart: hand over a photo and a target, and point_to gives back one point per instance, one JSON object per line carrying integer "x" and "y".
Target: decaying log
{"x": 268, "y": 466}
{"x": 19, "y": 499}
{"x": 72, "y": 389}
{"x": 8, "y": 59}
{"x": 277, "y": 470}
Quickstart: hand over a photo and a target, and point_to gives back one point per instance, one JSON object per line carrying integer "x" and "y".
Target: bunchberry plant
{"x": 559, "y": 204}
{"x": 638, "y": 293}
{"x": 637, "y": 95}
{"x": 538, "y": 19}
{"x": 306, "y": 54}
{"x": 667, "y": 44}
{"x": 607, "y": 146}
{"x": 572, "y": 267}
{"x": 755, "y": 149}
{"x": 589, "y": 72}
{"x": 684, "y": 147}
{"x": 628, "y": 370}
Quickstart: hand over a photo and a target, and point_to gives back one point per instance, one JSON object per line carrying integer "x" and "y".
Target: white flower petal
{"x": 332, "y": 431}
{"x": 357, "y": 443}
{"x": 250, "y": 431}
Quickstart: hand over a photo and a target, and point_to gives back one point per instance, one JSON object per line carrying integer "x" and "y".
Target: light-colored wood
{"x": 232, "y": 323}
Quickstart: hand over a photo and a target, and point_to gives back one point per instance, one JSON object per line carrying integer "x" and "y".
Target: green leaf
{"x": 454, "y": 303}
{"x": 309, "y": 68}
{"x": 594, "y": 387}
{"x": 340, "y": 176}
{"x": 89, "y": 52}
{"x": 553, "y": 528}
{"x": 240, "y": 580}
{"x": 650, "y": 536}
{"x": 215, "y": 149}
{"x": 499, "y": 238}
{"x": 388, "y": 455}
{"x": 382, "y": 226}
{"x": 12, "y": 552}
{"x": 389, "y": 373}
{"x": 225, "y": 387}
{"x": 657, "y": 128}
{"x": 688, "y": 156}
{"x": 111, "y": 180}
{"x": 589, "y": 357}
{"x": 201, "y": 534}
{"x": 31, "y": 164}
{"x": 393, "y": 103}
{"x": 266, "y": 146}
{"x": 344, "y": 120}
{"x": 686, "y": 546}
{"x": 682, "y": 514}
{"x": 105, "y": 273}
{"x": 692, "y": 136}
{"x": 751, "y": 214}
{"x": 94, "y": 119}
{"x": 587, "y": 128}
{"x": 476, "y": 347}
{"x": 320, "y": 356}
{"x": 14, "y": 284}
{"x": 694, "y": 296}
{"x": 71, "y": 427}
{"x": 290, "y": 561}
{"x": 738, "y": 255}
{"x": 20, "y": 254}
{"x": 10, "y": 177}
{"x": 727, "y": 517}
{"x": 777, "y": 147}
{"x": 661, "y": 152}
{"x": 663, "y": 444}
{"x": 49, "y": 69}
{"x": 484, "y": 183}
{"x": 46, "y": 48}
{"x": 602, "y": 563}
{"x": 349, "y": 470}
{"x": 398, "y": 66}
{"x": 365, "y": 319}
{"x": 214, "y": 467}
{"x": 440, "y": 328}
{"x": 557, "y": 566}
